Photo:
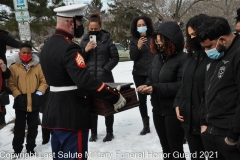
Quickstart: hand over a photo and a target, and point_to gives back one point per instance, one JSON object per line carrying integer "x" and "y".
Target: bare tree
{"x": 182, "y": 7}
{"x": 225, "y": 8}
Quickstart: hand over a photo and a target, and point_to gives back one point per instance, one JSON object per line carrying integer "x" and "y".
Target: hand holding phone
{"x": 92, "y": 43}
{"x": 93, "y": 38}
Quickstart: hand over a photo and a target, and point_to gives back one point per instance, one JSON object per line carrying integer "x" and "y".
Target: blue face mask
{"x": 214, "y": 53}
{"x": 142, "y": 29}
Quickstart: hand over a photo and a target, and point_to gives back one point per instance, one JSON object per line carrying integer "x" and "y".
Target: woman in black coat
{"x": 188, "y": 99}
{"x": 4, "y": 74}
{"x": 101, "y": 57}
{"x": 6, "y": 40}
{"x": 140, "y": 53}
{"x": 164, "y": 80}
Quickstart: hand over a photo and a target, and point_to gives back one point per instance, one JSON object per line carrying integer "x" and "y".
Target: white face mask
{"x": 142, "y": 29}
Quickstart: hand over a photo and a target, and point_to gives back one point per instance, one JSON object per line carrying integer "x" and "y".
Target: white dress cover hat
{"x": 70, "y": 11}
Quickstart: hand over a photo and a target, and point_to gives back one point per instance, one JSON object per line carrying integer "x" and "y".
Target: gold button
{"x": 114, "y": 89}
{"x": 85, "y": 97}
{"x": 107, "y": 87}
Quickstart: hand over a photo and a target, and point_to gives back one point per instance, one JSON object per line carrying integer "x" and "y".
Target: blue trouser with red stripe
{"x": 69, "y": 145}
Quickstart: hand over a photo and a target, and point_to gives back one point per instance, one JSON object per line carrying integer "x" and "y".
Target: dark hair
{"x": 238, "y": 16}
{"x": 170, "y": 48}
{"x": 213, "y": 28}
{"x": 95, "y": 18}
{"x": 27, "y": 45}
{"x": 149, "y": 25}
{"x": 194, "y": 23}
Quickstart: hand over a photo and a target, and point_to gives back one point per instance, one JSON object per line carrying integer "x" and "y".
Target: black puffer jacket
{"x": 142, "y": 58}
{"x": 101, "y": 60}
{"x": 165, "y": 74}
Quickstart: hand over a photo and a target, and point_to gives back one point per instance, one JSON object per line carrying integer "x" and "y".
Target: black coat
{"x": 165, "y": 73}
{"x": 101, "y": 60}
{"x": 63, "y": 65}
{"x": 5, "y": 75}
{"x": 142, "y": 58}
{"x": 190, "y": 93}
{"x": 221, "y": 105}
{"x": 6, "y": 40}
{"x": 165, "y": 77}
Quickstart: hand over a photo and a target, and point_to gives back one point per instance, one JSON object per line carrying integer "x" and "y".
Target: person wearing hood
{"x": 141, "y": 55}
{"x": 101, "y": 56}
{"x": 27, "y": 84}
{"x": 163, "y": 82}
{"x": 188, "y": 100}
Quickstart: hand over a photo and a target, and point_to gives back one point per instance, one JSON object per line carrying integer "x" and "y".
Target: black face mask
{"x": 79, "y": 31}
{"x": 94, "y": 32}
{"x": 160, "y": 47}
{"x": 195, "y": 44}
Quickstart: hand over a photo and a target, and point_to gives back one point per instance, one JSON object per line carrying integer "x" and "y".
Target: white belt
{"x": 65, "y": 88}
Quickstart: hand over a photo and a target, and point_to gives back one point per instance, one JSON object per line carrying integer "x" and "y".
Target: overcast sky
{"x": 88, "y": 1}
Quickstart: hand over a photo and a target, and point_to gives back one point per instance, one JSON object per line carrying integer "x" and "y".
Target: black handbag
{"x": 4, "y": 98}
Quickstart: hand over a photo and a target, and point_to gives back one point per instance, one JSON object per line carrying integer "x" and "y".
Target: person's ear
{"x": 222, "y": 40}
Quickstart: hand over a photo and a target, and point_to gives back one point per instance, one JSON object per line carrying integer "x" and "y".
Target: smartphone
{"x": 93, "y": 38}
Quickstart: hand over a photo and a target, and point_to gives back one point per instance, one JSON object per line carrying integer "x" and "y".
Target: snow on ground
{"x": 127, "y": 144}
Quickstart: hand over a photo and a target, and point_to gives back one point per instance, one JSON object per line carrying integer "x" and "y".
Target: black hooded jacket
{"x": 165, "y": 74}
{"x": 101, "y": 60}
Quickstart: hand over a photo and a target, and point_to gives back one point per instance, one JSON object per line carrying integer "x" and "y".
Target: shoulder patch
{"x": 79, "y": 60}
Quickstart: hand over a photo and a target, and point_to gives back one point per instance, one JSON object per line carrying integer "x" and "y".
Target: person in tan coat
{"x": 27, "y": 84}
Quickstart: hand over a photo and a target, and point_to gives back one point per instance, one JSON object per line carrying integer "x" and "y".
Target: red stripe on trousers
{"x": 80, "y": 150}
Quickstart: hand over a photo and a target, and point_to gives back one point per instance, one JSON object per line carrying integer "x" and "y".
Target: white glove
{"x": 121, "y": 101}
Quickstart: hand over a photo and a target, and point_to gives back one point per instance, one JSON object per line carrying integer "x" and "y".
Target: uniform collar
{"x": 64, "y": 33}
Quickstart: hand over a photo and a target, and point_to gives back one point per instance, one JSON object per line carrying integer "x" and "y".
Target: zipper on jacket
{"x": 211, "y": 130}
{"x": 210, "y": 84}
{"x": 207, "y": 115}
{"x": 37, "y": 80}
{"x": 95, "y": 62}
{"x": 212, "y": 77}
{"x": 17, "y": 81}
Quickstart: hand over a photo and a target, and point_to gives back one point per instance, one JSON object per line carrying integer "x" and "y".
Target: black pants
{"x": 108, "y": 122}
{"x": 195, "y": 146}
{"x": 140, "y": 80}
{"x": 217, "y": 149}
{"x": 19, "y": 130}
{"x": 171, "y": 135}
{"x": 46, "y": 135}
{"x": 2, "y": 116}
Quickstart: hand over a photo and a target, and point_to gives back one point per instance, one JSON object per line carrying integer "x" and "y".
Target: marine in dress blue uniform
{"x": 67, "y": 111}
